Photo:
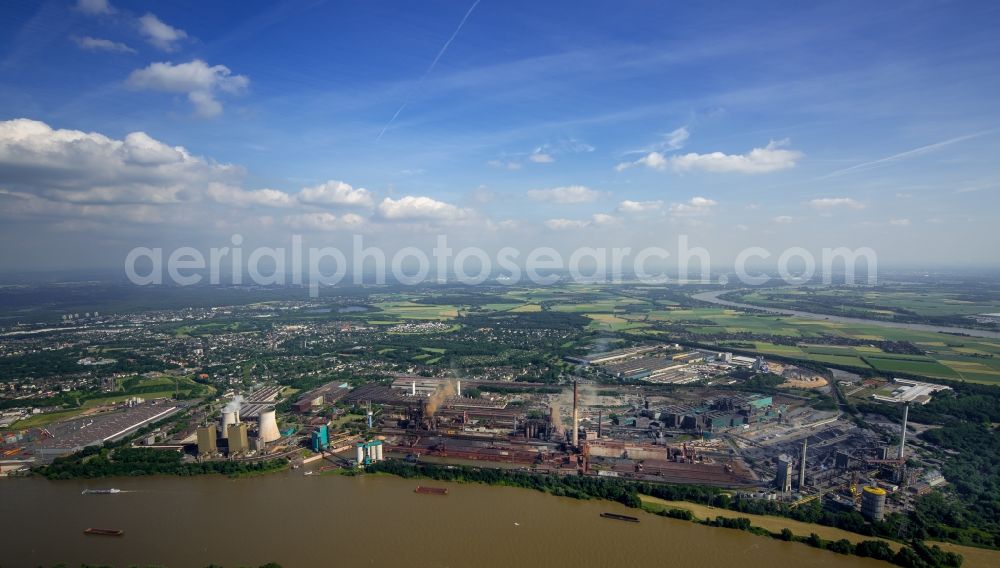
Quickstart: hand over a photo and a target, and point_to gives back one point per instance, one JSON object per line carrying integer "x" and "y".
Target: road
{"x": 713, "y": 298}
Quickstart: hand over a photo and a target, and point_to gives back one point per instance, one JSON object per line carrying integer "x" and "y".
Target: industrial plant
{"x": 233, "y": 437}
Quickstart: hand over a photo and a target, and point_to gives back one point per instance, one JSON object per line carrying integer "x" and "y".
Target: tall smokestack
{"x": 902, "y": 432}
{"x": 802, "y": 466}
{"x": 576, "y": 419}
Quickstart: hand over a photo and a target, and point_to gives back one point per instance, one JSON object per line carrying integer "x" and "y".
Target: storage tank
{"x": 378, "y": 451}
{"x": 267, "y": 426}
{"x": 228, "y": 419}
{"x": 873, "y": 503}
{"x": 361, "y": 454}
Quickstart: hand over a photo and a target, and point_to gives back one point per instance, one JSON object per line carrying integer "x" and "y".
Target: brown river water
{"x": 298, "y": 520}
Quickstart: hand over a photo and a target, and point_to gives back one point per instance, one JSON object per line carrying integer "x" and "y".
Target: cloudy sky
{"x": 778, "y": 124}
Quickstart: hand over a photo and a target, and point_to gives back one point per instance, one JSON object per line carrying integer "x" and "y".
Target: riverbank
{"x": 771, "y": 523}
{"x": 973, "y": 557}
{"x": 126, "y": 461}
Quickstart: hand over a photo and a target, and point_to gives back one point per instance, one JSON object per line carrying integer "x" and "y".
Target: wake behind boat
{"x": 110, "y": 491}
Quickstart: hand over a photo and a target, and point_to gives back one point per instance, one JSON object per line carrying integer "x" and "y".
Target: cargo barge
{"x": 431, "y": 490}
{"x": 104, "y": 532}
{"x": 618, "y": 517}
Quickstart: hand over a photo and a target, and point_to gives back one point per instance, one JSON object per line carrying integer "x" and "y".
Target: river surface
{"x": 324, "y": 520}
{"x": 713, "y": 298}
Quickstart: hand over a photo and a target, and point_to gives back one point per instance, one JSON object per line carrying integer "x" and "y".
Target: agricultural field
{"x": 945, "y": 356}
{"x": 206, "y": 329}
{"x": 406, "y": 310}
{"x": 932, "y": 303}
{"x": 639, "y": 312}
{"x": 612, "y": 322}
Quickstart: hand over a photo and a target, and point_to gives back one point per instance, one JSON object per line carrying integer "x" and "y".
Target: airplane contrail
{"x": 903, "y": 155}
{"x": 430, "y": 68}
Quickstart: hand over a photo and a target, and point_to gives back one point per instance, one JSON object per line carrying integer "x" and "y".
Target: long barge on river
{"x": 104, "y": 532}
{"x": 618, "y": 517}
{"x": 430, "y": 490}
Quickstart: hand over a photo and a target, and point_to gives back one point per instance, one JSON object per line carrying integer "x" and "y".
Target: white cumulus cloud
{"x": 325, "y": 221}
{"x": 87, "y": 167}
{"x": 421, "y": 207}
{"x": 565, "y": 195}
{"x": 771, "y": 158}
{"x": 629, "y": 206}
{"x": 596, "y": 220}
{"x": 826, "y": 203}
{"x": 565, "y": 224}
{"x": 236, "y": 196}
{"x": 694, "y": 207}
{"x": 200, "y": 81}
{"x": 161, "y": 35}
{"x": 336, "y": 192}
{"x": 603, "y": 219}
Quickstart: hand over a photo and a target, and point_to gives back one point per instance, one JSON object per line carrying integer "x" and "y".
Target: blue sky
{"x": 772, "y": 123}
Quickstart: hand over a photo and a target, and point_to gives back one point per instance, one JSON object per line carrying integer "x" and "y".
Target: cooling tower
{"x": 267, "y": 427}
{"x": 228, "y": 419}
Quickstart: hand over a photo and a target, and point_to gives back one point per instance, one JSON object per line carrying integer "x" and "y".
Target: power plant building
{"x": 320, "y": 438}
{"x": 239, "y": 442}
{"x": 784, "y": 477}
{"x": 206, "y": 440}
{"x": 873, "y": 503}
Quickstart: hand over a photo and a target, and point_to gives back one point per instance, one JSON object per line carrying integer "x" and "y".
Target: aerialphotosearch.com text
{"x": 315, "y": 267}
